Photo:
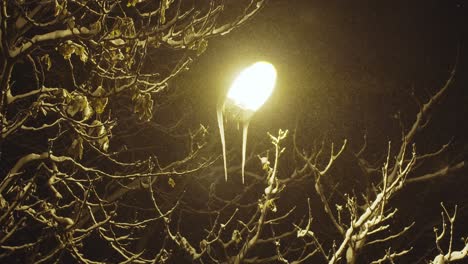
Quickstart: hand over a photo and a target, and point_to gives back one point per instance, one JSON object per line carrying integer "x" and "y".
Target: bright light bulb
{"x": 253, "y": 86}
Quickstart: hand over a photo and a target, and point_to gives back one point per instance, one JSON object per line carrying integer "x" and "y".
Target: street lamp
{"x": 247, "y": 94}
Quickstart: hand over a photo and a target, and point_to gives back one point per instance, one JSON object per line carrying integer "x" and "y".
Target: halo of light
{"x": 253, "y": 86}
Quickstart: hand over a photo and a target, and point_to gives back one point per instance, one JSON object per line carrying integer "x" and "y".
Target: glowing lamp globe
{"x": 247, "y": 94}
{"x": 253, "y": 86}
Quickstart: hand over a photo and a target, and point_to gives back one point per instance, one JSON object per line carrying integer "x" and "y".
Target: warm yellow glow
{"x": 253, "y": 86}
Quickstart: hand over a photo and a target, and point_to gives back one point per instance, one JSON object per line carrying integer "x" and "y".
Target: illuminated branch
{"x": 267, "y": 202}
{"x": 90, "y": 79}
{"x": 372, "y": 217}
{"x": 451, "y": 255}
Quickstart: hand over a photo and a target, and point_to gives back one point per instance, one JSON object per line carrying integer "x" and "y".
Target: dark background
{"x": 345, "y": 69}
{"x": 349, "y": 68}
